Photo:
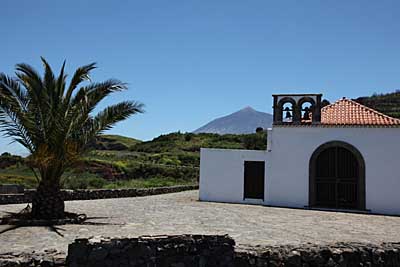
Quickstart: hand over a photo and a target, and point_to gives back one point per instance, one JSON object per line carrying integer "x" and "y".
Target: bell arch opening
{"x": 337, "y": 177}
{"x": 287, "y": 109}
{"x": 306, "y": 108}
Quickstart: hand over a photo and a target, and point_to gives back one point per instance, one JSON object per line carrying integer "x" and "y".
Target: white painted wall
{"x": 292, "y": 147}
{"x": 287, "y": 166}
{"x": 222, "y": 173}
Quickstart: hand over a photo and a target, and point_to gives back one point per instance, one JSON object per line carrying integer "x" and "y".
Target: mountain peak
{"x": 244, "y": 121}
{"x": 247, "y": 108}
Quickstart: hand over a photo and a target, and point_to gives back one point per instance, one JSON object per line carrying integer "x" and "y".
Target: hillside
{"x": 113, "y": 142}
{"x": 388, "y": 104}
{"x": 190, "y": 142}
{"x": 244, "y": 121}
{"x": 117, "y": 161}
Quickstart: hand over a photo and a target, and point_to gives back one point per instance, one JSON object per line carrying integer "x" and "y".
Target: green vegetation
{"x": 113, "y": 142}
{"x": 173, "y": 155}
{"x": 167, "y": 160}
{"x": 388, "y": 104}
{"x": 88, "y": 181}
{"x": 147, "y": 183}
{"x": 29, "y": 181}
{"x": 189, "y": 142}
{"x": 127, "y": 141}
{"x": 92, "y": 181}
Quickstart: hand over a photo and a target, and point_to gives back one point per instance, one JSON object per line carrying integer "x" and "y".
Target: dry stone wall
{"x": 334, "y": 255}
{"x": 87, "y": 194}
{"x": 48, "y": 258}
{"x": 206, "y": 250}
{"x": 178, "y": 251}
{"x": 11, "y": 189}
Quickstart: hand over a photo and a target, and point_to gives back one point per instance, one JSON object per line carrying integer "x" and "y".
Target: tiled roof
{"x": 349, "y": 112}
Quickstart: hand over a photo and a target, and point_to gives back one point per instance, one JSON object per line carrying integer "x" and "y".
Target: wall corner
{"x": 269, "y": 139}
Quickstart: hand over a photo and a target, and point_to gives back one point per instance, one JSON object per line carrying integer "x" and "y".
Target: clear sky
{"x": 192, "y": 61}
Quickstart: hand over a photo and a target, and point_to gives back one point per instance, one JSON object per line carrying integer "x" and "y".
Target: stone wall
{"x": 87, "y": 194}
{"x": 206, "y": 250}
{"x": 339, "y": 254}
{"x": 178, "y": 251}
{"x": 200, "y": 250}
{"x": 47, "y": 258}
{"x": 11, "y": 189}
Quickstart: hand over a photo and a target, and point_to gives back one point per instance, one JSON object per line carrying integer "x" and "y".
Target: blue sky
{"x": 192, "y": 61}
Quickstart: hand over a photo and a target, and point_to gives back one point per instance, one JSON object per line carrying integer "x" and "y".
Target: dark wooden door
{"x": 254, "y": 172}
{"x": 337, "y": 178}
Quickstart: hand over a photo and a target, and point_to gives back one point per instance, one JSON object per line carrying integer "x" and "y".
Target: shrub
{"x": 26, "y": 181}
{"x": 84, "y": 181}
{"x": 255, "y": 141}
{"x": 188, "y": 137}
{"x": 148, "y": 170}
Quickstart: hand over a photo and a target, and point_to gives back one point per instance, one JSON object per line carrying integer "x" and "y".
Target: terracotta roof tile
{"x": 349, "y": 112}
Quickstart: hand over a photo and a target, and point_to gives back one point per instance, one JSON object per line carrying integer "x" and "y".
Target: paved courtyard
{"x": 181, "y": 213}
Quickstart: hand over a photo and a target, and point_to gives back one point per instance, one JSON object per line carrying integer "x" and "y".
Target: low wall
{"x": 48, "y": 258}
{"x": 206, "y": 250}
{"x": 199, "y": 250}
{"x": 87, "y": 194}
{"x": 11, "y": 189}
{"x": 339, "y": 254}
{"x": 179, "y": 251}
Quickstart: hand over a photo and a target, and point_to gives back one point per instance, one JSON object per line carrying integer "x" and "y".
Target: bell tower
{"x": 297, "y": 109}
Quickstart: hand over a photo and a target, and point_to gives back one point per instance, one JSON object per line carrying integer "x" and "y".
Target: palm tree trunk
{"x": 48, "y": 203}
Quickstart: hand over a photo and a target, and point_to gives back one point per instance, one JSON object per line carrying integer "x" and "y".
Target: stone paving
{"x": 182, "y": 213}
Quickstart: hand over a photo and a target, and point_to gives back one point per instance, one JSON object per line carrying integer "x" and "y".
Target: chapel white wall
{"x": 292, "y": 147}
{"x": 222, "y": 173}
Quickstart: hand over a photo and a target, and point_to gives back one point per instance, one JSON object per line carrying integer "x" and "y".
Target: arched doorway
{"x": 337, "y": 177}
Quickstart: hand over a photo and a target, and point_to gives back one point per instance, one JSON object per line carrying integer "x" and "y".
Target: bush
{"x": 148, "y": 170}
{"x": 147, "y": 183}
{"x": 26, "y": 181}
{"x": 256, "y": 141}
{"x": 84, "y": 181}
{"x": 169, "y": 161}
{"x": 189, "y": 158}
{"x": 188, "y": 137}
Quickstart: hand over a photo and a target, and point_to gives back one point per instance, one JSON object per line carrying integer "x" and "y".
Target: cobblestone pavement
{"x": 181, "y": 213}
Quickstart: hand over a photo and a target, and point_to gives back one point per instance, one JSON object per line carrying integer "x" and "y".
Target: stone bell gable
{"x": 297, "y": 108}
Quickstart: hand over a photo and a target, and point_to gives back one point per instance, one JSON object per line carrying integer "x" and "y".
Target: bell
{"x": 288, "y": 113}
{"x": 306, "y": 115}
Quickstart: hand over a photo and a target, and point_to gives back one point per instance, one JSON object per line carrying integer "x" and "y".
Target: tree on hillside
{"x": 55, "y": 121}
{"x": 388, "y": 103}
{"x": 259, "y": 129}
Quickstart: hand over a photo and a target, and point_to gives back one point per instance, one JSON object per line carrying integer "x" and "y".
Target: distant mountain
{"x": 241, "y": 122}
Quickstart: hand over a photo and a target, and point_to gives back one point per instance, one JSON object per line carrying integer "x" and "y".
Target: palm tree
{"x": 54, "y": 121}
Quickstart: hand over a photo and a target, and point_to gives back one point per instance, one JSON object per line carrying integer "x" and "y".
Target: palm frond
{"x": 95, "y": 92}
{"x": 10, "y": 88}
{"x": 80, "y": 75}
{"x": 61, "y": 80}
{"x": 49, "y": 79}
{"x": 38, "y": 105}
{"x": 29, "y": 78}
{"x": 12, "y": 126}
{"x": 14, "y": 116}
{"x": 107, "y": 118}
